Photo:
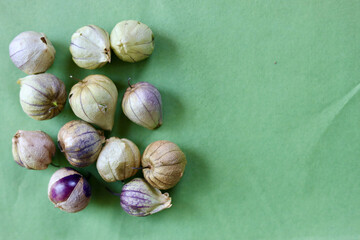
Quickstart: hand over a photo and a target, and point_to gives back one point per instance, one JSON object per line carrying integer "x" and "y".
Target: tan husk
{"x": 33, "y": 149}
{"x": 80, "y": 142}
{"x": 94, "y": 100}
{"x": 42, "y": 96}
{"x": 118, "y": 159}
{"x": 163, "y": 163}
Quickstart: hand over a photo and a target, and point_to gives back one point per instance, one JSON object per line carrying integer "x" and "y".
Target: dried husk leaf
{"x": 139, "y": 198}
{"x": 118, "y": 159}
{"x": 132, "y": 41}
{"x": 163, "y": 163}
{"x": 142, "y": 104}
{"x": 33, "y": 149}
{"x": 42, "y": 96}
{"x": 94, "y": 100}
{"x": 90, "y": 47}
{"x": 80, "y": 142}
{"x": 32, "y": 52}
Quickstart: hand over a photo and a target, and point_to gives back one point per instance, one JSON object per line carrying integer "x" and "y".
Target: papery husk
{"x": 79, "y": 197}
{"x": 118, "y": 159}
{"x": 42, "y": 96}
{"x": 94, "y": 100}
{"x": 33, "y": 149}
{"x": 142, "y": 104}
{"x": 163, "y": 164}
{"x": 32, "y": 52}
{"x": 139, "y": 198}
{"x": 80, "y": 142}
{"x": 132, "y": 41}
{"x": 90, "y": 47}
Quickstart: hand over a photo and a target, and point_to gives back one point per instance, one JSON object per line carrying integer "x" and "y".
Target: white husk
{"x": 117, "y": 159}
{"x": 132, "y": 41}
{"x": 94, "y": 100}
{"x": 90, "y": 47}
{"x": 32, "y": 52}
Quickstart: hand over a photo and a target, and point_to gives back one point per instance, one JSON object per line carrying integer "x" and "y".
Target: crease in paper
{"x": 266, "y": 204}
{"x": 300, "y": 146}
{"x": 317, "y": 126}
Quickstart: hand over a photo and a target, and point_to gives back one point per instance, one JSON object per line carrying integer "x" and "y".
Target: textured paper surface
{"x": 262, "y": 96}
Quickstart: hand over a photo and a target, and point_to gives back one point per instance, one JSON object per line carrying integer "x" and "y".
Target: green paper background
{"x": 262, "y": 96}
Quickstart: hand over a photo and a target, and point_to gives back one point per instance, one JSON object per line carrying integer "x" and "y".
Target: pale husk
{"x": 163, "y": 163}
{"x": 94, "y": 100}
{"x": 132, "y": 41}
{"x": 32, "y": 52}
{"x": 118, "y": 160}
{"x": 90, "y": 47}
{"x": 42, "y": 96}
{"x": 33, "y": 149}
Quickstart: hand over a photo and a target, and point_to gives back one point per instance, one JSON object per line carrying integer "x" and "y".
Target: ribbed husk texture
{"x": 90, "y": 47}
{"x": 80, "y": 142}
{"x": 132, "y": 41}
{"x": 42, "y": 96}
{"x": 139, "y": 198}
{"x": 142, "y": 104}
{"x": 118, "y": 159}
{"x": 94, "y": 100}
{"x": 163, "y": 163}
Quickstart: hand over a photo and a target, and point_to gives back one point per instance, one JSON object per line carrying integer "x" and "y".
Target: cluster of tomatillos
{"x": 43, "y": 96}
